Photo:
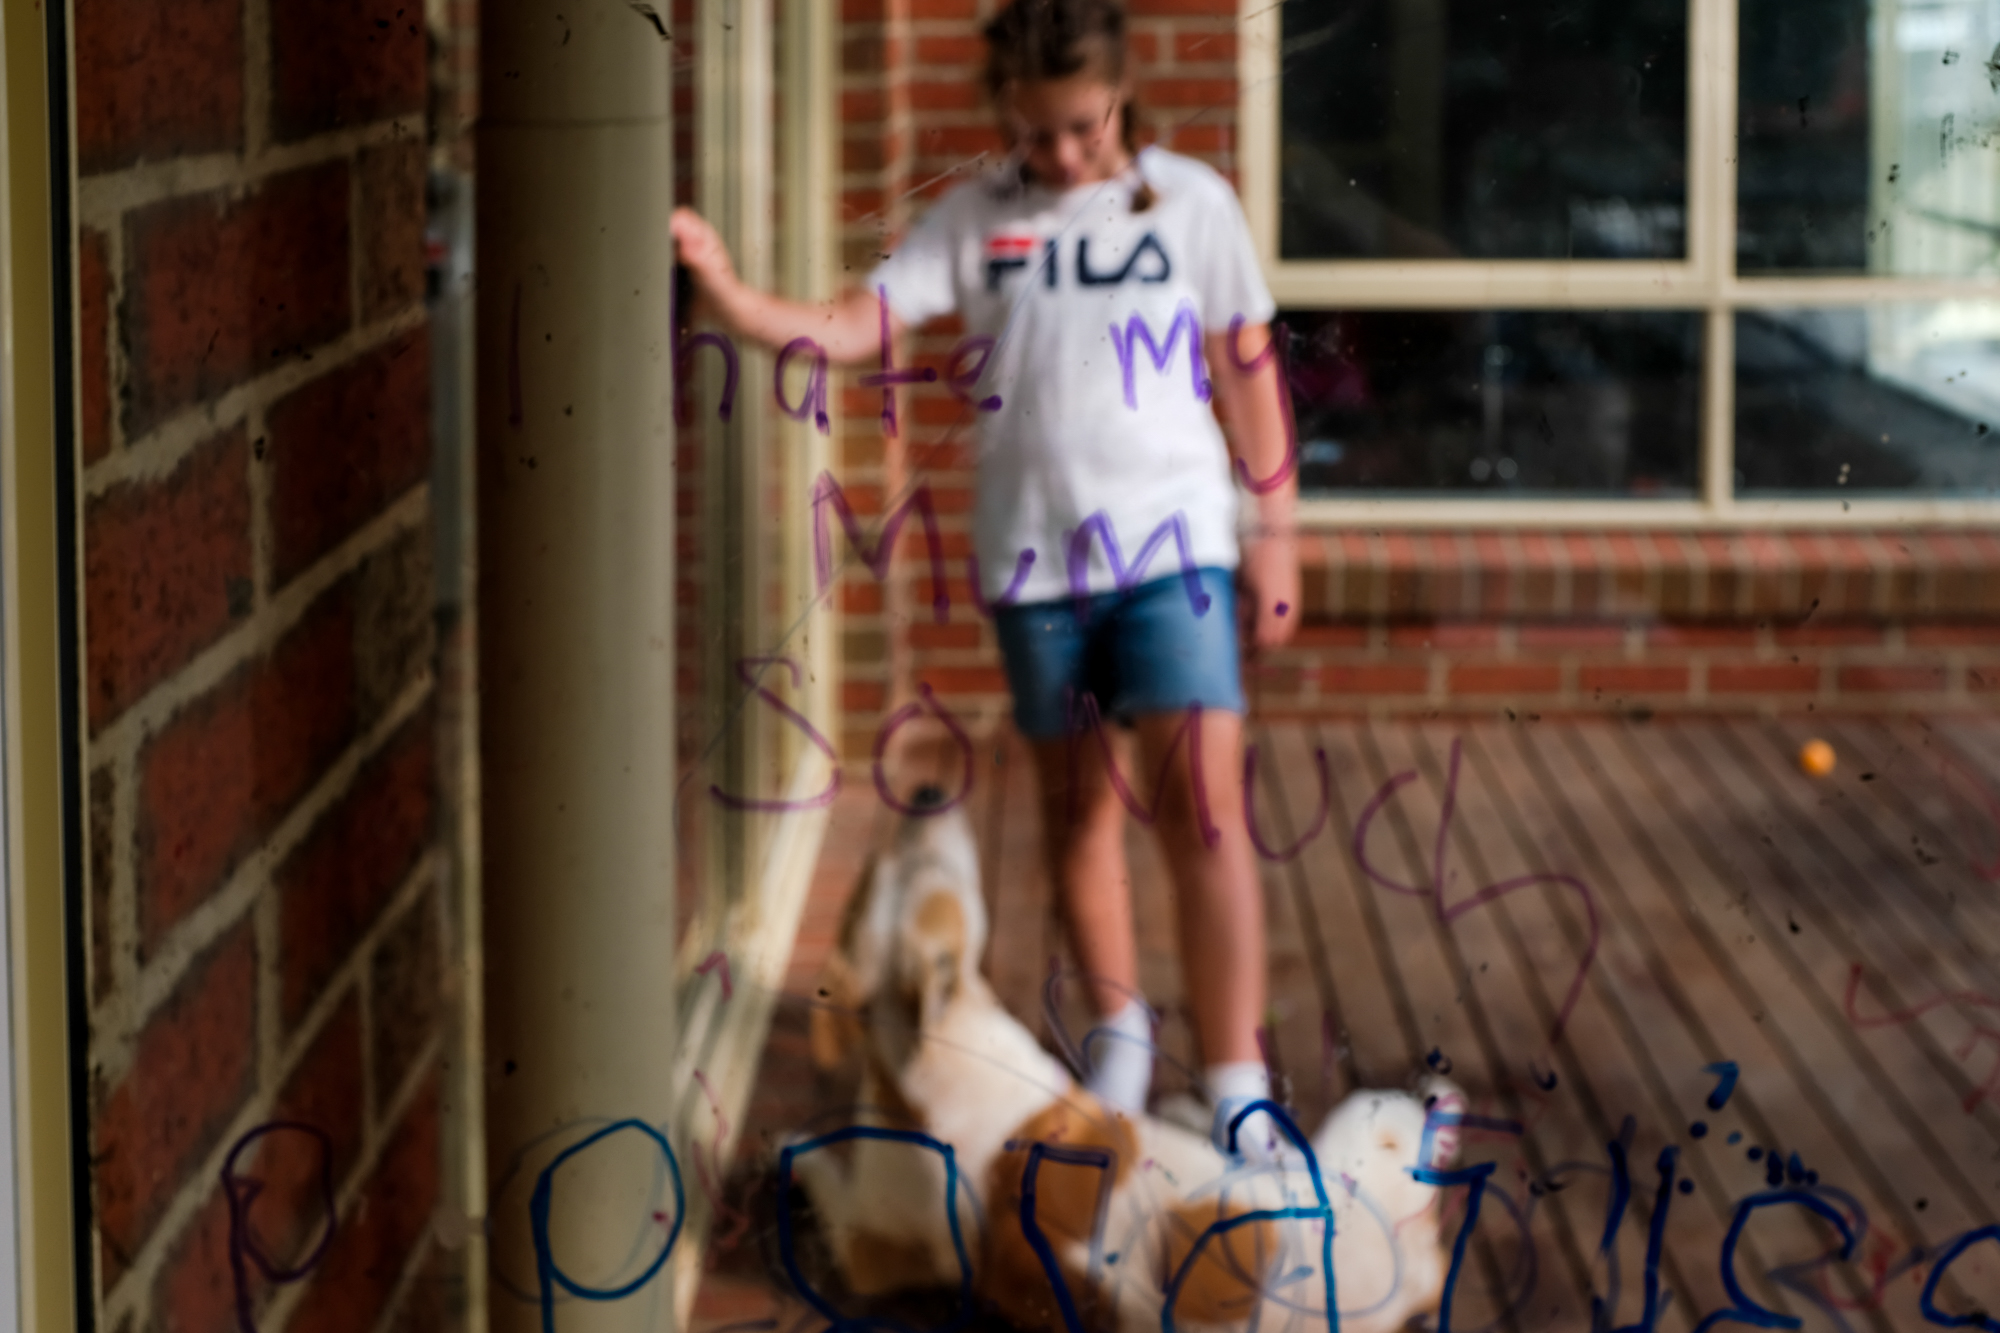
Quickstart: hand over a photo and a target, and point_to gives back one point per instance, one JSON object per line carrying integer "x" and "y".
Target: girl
{"x": 1108, "y": 278}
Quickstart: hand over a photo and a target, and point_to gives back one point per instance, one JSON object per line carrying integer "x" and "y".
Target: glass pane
{"x": 1513, "y": 402}
{"x": 1462, "y": 129}
{"x": 1867, "y": 134}
{"x": 1898, "y": 399}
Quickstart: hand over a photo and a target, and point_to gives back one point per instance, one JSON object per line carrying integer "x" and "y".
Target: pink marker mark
{"x": 1084, "y": 718}
{"x": 927, "y": 701}
{"x": 1981, "y": 1031}
{"x": 1250, "y": 806}
{"x": 1448, "y": 912}
{"x": 709, "y": 964}
{"x": 708, "y": 1172}
{"x": 746, "y": 671}
{"x": 1280, "y": 338}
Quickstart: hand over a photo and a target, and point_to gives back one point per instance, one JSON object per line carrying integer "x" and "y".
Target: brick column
{"x": 267, "y": 931}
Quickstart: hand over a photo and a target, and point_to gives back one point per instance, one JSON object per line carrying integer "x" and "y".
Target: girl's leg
{"x": 1083, "y": 837}
{"x": 1219, "y": 899}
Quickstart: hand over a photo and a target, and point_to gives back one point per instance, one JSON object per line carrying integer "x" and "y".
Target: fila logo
{"x": 1007, "y": 252}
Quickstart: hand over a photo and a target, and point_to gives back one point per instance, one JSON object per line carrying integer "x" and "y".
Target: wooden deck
{"x": 1578, "y": 920}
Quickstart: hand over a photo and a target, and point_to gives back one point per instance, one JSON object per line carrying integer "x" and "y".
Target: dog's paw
{"x": 1442, "y": 1101}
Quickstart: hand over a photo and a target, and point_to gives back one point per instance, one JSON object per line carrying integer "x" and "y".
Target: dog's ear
{"x": 938, "y": 940}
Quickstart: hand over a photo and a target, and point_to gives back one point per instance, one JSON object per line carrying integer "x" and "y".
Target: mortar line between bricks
{"x": 422, "y": 878}
{"x": 357, "y": 232}
{"x": 284, "y": 1305}
{"x": 256, "y": 78}
{"x": 430, "y": 1058}
{"x": 162, "y": 449}
{"x": 406, "y": 1281}
{"x": 116, "y": 369}
{"x": 270, "y": 1032}
{"x": 103, "y": 199}
{"x": 134, "y": 1290}
{"x": 260, "y": 633}
{"x": 124, "y": 888}
{"x": 111, "y": 1047}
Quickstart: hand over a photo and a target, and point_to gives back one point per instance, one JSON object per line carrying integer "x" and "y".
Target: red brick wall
{"x": 269, "y": 928}
{"x": 1642, "y": 621}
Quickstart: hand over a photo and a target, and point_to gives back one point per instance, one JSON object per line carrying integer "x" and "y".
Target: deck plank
{"x": 1927, "y": 812}
{"x": 1301, "y": 988}
{"x": 1684, "y": 993}
{"x": 1602, "y": 1065}
{"x": 1647, "y": 1063}
{"x": 1510, "y": 947}
{"x": 1693, "y": 837}
{"x": 1434, "y": 973}
{"x": 1373, "y": 1041}
{"x": 1915, "y": 1132}
{"x": 1802, "y": 1069}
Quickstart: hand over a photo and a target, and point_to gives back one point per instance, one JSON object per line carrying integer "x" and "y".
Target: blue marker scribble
{"x": 1105, "y": 1162}
{"x": 1603, "y": 1308}
{"x": 1976, "y": 1318}
{"x": 1725, "y": 1083}
{"x": 786, "y": 1231}
{"x": 548, "y": 1273}
{"x": 1474, "y": 1176}
{"x": 1322, "y": 1211}
{"x": 1744, "y": 1310}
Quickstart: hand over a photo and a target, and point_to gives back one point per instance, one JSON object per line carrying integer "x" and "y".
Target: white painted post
{"x": 576, "y": 504}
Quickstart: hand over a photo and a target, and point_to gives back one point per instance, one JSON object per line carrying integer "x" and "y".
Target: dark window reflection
{"x": 1867, "y": 133}
{"x": 1486, "y": 129}
{"x": 1536, "y": 402}
{"x": 1901, "y": 399}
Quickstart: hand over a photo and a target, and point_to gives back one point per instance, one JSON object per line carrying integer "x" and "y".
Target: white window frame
{"x": 1705, "y": 281}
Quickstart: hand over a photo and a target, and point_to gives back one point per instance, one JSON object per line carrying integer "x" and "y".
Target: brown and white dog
{"x": 944, "y": 1057}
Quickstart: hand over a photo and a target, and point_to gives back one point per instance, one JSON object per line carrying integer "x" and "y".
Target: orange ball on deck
{"x": 1816, "y": 758}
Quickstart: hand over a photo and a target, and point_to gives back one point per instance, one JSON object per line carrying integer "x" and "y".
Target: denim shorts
{"x": 1135, "y": 651}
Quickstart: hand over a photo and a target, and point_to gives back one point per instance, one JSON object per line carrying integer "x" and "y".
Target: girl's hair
{"x": 1032, "y": 40}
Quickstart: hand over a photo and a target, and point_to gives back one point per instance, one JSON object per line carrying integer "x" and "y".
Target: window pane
{"x": 1899, "y": 399}
{"x": 1565, "y": 403}
{"x": 1867, "y": 133}
{"x": 1549, "y": 129}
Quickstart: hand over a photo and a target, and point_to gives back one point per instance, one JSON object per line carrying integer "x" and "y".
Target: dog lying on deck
{"x": 1068, "y": 1214}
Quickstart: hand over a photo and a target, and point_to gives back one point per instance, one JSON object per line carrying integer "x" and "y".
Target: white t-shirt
{"x": 1085, "y": 299}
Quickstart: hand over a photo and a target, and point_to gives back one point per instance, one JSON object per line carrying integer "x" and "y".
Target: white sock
{"x": 1232, "y": 1087}
{"x": 1119, "y": 1055}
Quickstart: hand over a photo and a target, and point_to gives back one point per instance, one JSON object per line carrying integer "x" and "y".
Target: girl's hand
{"x": 1269, "y": 575}
{"x": 700, "y": 248}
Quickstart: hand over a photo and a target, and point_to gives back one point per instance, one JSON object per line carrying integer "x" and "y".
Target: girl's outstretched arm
{"x": 849, "y": 328}
{"x": 1246, "y": 371}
